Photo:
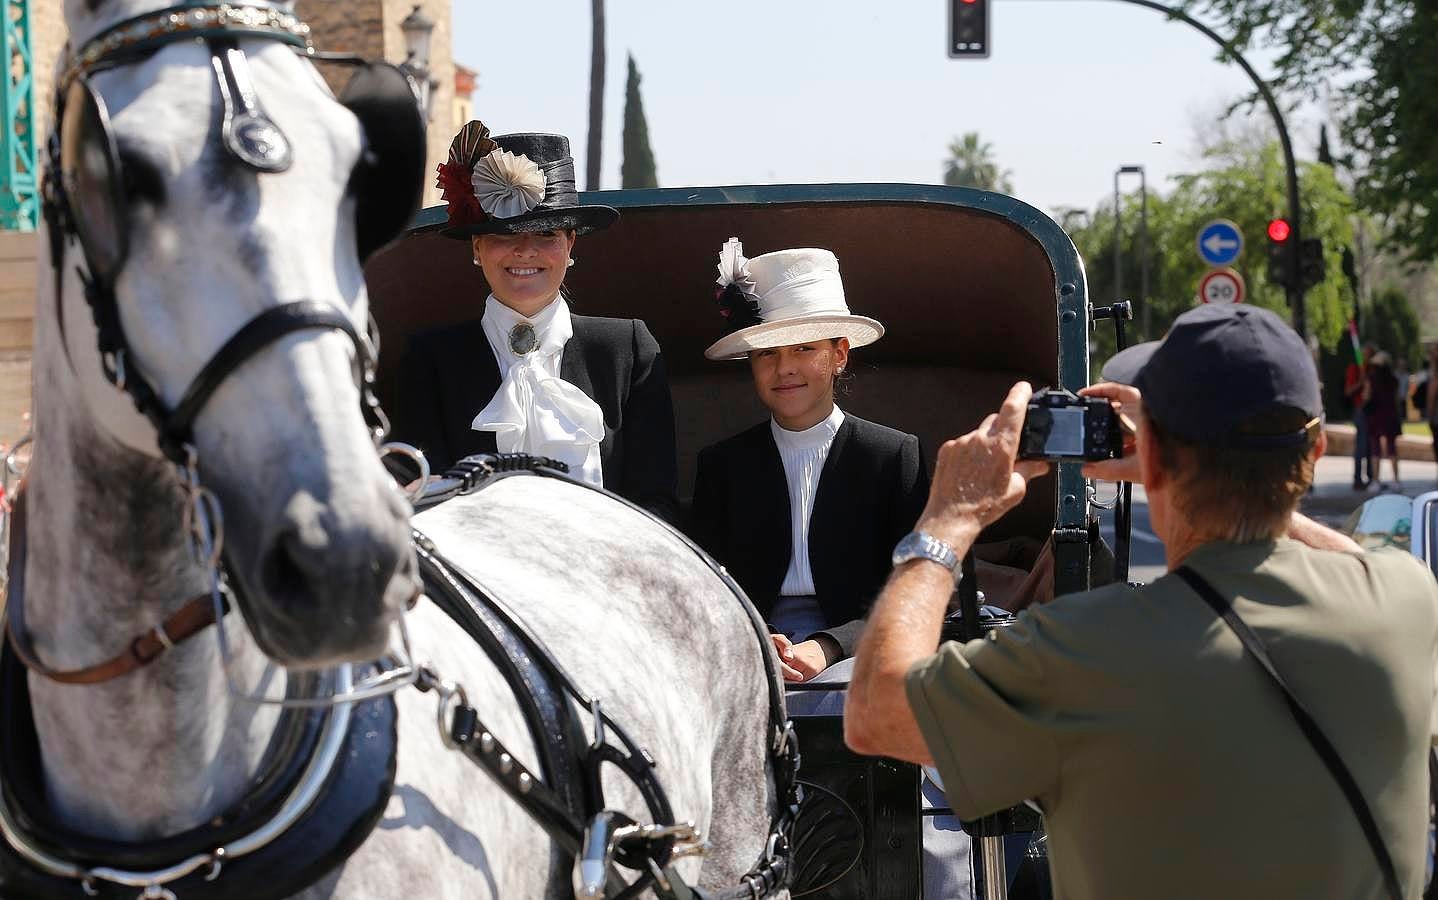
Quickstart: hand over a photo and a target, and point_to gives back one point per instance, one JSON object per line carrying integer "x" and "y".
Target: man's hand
{"x": 977, "y": 478}
{"x": 1129, "y": 403}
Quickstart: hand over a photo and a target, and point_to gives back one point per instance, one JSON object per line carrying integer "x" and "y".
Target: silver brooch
{"x": 522, "y": 339}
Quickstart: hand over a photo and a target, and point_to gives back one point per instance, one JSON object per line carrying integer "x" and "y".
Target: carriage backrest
{"x": 968, "y": 284}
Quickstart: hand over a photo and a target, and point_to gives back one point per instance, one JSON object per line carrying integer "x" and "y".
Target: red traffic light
{"x": 1279, "y": 230}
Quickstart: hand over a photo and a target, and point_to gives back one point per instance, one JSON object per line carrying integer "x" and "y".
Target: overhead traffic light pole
{"x": 1293, "y": 284}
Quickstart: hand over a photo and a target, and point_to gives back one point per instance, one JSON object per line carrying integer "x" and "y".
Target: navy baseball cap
{"x": 1221, "y": 368}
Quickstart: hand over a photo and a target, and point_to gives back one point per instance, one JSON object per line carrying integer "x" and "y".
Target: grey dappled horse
{"x": 316, "y": 532}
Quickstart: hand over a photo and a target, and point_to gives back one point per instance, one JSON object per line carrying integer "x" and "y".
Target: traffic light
{"x": 1280, "y": 250}
{"x": 1312, "y": 268}
{"x": 969, "y": 29}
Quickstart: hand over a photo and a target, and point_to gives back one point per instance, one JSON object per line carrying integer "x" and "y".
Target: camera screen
{"x": 1066, "y": 436}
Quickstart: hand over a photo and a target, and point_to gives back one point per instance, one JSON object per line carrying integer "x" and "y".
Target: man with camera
{"x": 1167, "y": 759}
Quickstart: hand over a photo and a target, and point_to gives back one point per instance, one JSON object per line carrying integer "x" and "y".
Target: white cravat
{"x": 803, "y": 453}
{"x": 535, "y": 411}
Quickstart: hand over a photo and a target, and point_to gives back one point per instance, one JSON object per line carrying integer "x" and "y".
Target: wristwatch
{"x": 922, "y": 545}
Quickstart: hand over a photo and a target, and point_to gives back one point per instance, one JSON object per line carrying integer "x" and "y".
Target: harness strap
{"x": 771, "y": 872}
{"x": 258, "y": 333}
{"x": 544, "y": 707}
{"x": 189, "y": 620}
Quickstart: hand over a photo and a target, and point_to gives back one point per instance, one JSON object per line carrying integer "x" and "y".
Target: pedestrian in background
{"x": 1430, "y": 405}
{"x": 1355, "y": 391}
{"x": 1384, "y": 424}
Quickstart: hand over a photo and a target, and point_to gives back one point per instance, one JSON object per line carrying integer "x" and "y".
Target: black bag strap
{"x": 1254, "y": 645}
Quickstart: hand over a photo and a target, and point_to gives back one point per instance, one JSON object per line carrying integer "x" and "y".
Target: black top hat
{"x": 558, "y": 210}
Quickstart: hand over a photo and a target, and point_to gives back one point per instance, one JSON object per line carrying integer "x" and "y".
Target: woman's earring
{"x": 571, "y": 263}
{"x": 476, "y": 260}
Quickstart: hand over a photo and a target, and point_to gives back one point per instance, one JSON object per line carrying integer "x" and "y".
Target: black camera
{"x": 1063, "y": 425}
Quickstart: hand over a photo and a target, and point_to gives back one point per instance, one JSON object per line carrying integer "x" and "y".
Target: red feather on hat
{"x": 472, "y": 144}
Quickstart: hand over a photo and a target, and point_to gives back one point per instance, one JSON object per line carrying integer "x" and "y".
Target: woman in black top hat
{"x": 529, "y": 376}
{"x": 805, "y": 508}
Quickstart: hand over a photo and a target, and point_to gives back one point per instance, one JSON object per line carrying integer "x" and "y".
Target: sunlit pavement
{"x": 1331, "y": 502}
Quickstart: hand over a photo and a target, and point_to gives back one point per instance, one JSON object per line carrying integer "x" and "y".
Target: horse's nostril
{"x": 287, "y": 577}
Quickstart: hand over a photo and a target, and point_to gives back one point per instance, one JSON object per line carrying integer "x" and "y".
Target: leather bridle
{"x": 174, "y": 427}
{"x": 252, "y": 140}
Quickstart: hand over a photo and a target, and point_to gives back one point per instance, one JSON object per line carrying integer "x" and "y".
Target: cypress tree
{"x": 637, "y": 170}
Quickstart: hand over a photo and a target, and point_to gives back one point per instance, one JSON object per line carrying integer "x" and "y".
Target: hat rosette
{"x": 737, "y": 295}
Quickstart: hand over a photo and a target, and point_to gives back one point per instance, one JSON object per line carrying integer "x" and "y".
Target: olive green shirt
{"x": 1166, "y": 762}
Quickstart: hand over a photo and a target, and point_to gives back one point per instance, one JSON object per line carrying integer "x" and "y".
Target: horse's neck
{"x": 162, "y": 749}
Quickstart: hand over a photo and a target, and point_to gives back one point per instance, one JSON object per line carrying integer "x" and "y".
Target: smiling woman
{"x": 591, "y": 392}
{"x": 804, "y": 509}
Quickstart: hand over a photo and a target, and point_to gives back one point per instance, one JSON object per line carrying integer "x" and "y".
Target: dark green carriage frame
{"x": 975, "y": 288}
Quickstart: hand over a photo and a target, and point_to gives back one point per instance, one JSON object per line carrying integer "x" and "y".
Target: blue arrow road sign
{"x": 1219, "y": 242}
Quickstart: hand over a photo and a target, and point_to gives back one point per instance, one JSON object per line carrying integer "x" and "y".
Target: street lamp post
{"x": 1144, "y": 318}
{"x": 418, "y": 31}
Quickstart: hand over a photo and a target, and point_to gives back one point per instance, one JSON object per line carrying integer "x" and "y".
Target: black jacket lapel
{"x": 831, "y": 510}
{"x": 472, "y": 380}
{"x": 769, "y": 497}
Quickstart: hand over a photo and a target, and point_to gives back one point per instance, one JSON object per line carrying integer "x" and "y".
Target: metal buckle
{"x": 398, "y": 448}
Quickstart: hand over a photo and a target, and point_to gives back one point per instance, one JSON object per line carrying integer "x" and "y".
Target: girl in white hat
{"x": 804, "y": 509}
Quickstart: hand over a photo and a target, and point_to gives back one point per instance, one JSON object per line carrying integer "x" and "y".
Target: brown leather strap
{"x": 192, "y": 618}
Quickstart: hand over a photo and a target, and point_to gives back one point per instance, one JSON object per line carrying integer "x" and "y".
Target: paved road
{"x": 1331, "y": 502}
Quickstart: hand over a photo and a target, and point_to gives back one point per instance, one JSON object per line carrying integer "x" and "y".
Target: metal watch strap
{"x": 922, "y": 545}
{"x": 1306, "y": 723}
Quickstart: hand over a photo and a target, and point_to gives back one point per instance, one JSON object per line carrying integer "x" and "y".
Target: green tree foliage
{"x": 1390, "y": 321}
{"x": 971, "y": 164}
{"x": 1245, "y": 185}
{"x": 1389, "y": 113}
{"x": 637, "y": 170}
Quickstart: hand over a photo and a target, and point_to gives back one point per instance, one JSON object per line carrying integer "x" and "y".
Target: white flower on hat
{"x": 734, "y": 268}
{"x": 506, "y": 184}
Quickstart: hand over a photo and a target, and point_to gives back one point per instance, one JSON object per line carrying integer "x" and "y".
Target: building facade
{"x": 367, "y": 27}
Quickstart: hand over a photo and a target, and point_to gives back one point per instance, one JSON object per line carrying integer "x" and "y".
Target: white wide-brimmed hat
{"x": 782, "y": 298}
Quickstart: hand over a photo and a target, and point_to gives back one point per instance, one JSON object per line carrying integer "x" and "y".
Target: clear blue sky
{"x": 771, "y": 91}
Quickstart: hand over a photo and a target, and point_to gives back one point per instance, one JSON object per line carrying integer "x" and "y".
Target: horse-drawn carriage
{"x": 976, "y": 290}
{"x": 213, "y": 617}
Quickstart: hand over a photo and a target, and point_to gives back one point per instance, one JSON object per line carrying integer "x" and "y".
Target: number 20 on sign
{"x": 1221, "y": 286}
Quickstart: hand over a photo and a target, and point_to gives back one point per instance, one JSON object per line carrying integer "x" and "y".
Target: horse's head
{"x": 315, "y": 531}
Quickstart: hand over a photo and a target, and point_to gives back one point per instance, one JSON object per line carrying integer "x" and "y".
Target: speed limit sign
{"x": 1221, "y": 286}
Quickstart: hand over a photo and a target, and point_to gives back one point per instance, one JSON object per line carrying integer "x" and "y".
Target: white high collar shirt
{"x": 535, "y": 410}
{"x": 803, "y": 453}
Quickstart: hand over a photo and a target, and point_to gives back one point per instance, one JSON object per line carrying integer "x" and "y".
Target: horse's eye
{"x": 141, "y": 180}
